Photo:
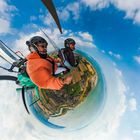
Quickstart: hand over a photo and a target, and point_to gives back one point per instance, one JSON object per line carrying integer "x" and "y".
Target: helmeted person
{"x": 41, "y": 67}
{"x": 67, "y": 54}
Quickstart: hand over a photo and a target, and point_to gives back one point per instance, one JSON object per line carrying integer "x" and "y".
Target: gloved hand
{"x": 67, "y": 80}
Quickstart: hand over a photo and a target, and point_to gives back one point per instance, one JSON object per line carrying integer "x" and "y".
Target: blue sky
{"x": 111, "y": 26}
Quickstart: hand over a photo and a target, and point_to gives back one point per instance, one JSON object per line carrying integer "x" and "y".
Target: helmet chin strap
{"x": 35, "y": 47}
{"x": 44, "y": 56}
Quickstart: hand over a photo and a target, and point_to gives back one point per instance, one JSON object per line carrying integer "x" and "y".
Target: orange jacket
{"x": 40, "y": 72}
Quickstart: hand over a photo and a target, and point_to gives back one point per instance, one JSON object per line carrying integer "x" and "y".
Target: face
{"x": 72, "y": 46}
{"x": 42, "y": 48}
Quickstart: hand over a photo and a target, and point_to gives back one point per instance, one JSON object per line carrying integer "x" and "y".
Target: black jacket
{"x": 69, "y": 56}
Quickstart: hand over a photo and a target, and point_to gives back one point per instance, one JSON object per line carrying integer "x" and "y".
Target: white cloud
{"x": 110, "y": 53}
{"x": 86, "y": 36}
{"x": 132, "y": 93}
{"x": 136, "y": 131}
{"x": 6, "y": 14}
{"x": 130, "y": 7}
{"x": 103, "y": 51}
{"x": 5, "y": 9}
{"x": 33, "y": 18}
{"x": 64, "y": 15}
{"x": 133, "y": 104}
{"x": 127, "y": 138}
{"x": 118, "y": 56}
{"x": 72, "y": 9}
{"x": 137, "y": 17}
{"x": 137, "y": 59}
{"x": 83, "y": 39}
{"x": 5, "y": 24}
{"x": 20, "y": 44}
{"x": 120, "y": 74}
{"x": 11, "y": 108}
{"x": 47, "y": 19}
{"x": 114, "y": 64}
{"x": 96, "y": 4}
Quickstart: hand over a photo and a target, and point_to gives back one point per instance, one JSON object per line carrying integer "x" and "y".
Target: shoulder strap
{"x": 61, "y": 55}
{"x": 53, "y": 65}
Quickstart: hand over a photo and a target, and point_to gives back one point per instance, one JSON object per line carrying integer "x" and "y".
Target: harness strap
{"x": 53, "y": 65}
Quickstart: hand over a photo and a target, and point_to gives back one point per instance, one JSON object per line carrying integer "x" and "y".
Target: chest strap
{"x": 53, "y": 65}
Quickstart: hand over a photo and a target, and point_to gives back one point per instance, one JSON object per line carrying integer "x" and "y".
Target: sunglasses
{"x": 73, "y": 44}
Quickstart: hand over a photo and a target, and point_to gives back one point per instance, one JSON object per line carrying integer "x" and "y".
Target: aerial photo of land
{"x": 56, "y": 103}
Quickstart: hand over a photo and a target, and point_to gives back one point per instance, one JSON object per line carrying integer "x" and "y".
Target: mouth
{"x": 43, "y": 52}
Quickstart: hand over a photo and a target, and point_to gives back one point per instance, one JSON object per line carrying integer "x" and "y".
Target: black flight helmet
{"x": 34, "y": 41}
{"x": 69, "y": 41}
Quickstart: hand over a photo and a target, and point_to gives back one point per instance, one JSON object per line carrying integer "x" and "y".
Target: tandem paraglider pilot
{"x": 41, "y": 67}
{"x": 66, "y": 54}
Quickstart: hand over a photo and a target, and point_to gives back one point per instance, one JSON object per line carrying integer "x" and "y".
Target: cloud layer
{"x": 130, "y": 7}
{"x": 6, "y": 14}
{"x": 137, "y": 59}
{"x": 133, "y": 104}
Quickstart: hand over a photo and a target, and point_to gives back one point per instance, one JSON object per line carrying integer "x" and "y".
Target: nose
{"x": 45, "y": 47}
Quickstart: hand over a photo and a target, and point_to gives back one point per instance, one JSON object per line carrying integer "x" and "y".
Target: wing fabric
{"x": 50, "y": 6}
